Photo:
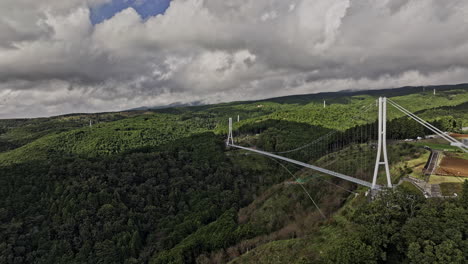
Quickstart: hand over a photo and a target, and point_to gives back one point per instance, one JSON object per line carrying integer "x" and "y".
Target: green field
{"x": 451, "y": 188}
{"x": 437, "y": 179}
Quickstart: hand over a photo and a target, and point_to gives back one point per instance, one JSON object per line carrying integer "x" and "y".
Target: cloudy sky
{"x": 64, "y": 56}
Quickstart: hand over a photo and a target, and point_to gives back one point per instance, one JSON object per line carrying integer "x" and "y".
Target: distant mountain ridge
{"x": 324, "y": 95}
{"x": 176, "y": 104}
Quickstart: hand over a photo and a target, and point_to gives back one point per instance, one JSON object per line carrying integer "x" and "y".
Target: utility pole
{"x": 324, "y": 104}
{"x": 90, "y": 123}
{"x": 230, "y": 139}
{"x": 238, "y": 118}
{"x": 382, "y": 143}
{"x": 434, "y": 91}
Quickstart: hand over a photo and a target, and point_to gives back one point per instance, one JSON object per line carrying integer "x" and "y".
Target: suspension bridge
{"x": 381, "y": 157}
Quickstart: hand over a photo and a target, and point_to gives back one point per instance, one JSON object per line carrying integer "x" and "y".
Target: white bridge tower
{"x": 230, "y": 139}
{"x": 382, "y": 143}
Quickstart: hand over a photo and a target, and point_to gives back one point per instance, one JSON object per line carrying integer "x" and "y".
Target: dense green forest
{"x": 160, "y": 186}
{"x": 404, "y": 227}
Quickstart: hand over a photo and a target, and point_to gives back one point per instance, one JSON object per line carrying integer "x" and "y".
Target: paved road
{"x": 429, "y": 190}
{"x": 433, "y": 160}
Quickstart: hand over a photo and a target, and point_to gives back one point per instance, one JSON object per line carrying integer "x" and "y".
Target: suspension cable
{"x": 302, "y": 185}
{"x": 306, "y": 145}
{"x": 321, "y": 178}
{"x": 429, "y": 126}
{"x": 366, "y": 108}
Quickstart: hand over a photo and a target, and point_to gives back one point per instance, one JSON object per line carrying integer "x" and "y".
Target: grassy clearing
{"x": 408, "y": 186}
{"x": 436, "y": 179}
{"x": 412, "y": 166}
{"x": 417, "y": 165}
{"x": 450, "y": 188}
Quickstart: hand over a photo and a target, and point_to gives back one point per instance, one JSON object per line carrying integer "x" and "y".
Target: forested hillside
{"x": 160, "y": 186}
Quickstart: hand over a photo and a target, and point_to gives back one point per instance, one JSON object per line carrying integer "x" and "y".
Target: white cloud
{"x": 53, "y": 60}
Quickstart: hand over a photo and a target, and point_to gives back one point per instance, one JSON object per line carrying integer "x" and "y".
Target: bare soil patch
{"x": 453, "y": 166}
{"x": 459, "y": 135}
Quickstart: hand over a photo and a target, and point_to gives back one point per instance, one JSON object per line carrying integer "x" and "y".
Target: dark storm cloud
{"x": 54, "y": 60}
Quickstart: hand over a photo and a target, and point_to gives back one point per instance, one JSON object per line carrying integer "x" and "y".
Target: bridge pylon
{"x": 230, "y": 139}
{"x": 382, "y": 144}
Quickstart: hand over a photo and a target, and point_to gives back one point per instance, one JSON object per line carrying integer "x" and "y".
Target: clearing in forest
{"x": 452, "y": 165}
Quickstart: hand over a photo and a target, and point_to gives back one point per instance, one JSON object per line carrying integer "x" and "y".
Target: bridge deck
{"x": 329, "y": 172}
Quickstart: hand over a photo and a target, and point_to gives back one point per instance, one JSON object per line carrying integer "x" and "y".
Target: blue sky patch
{"x": 146, "y": 8}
